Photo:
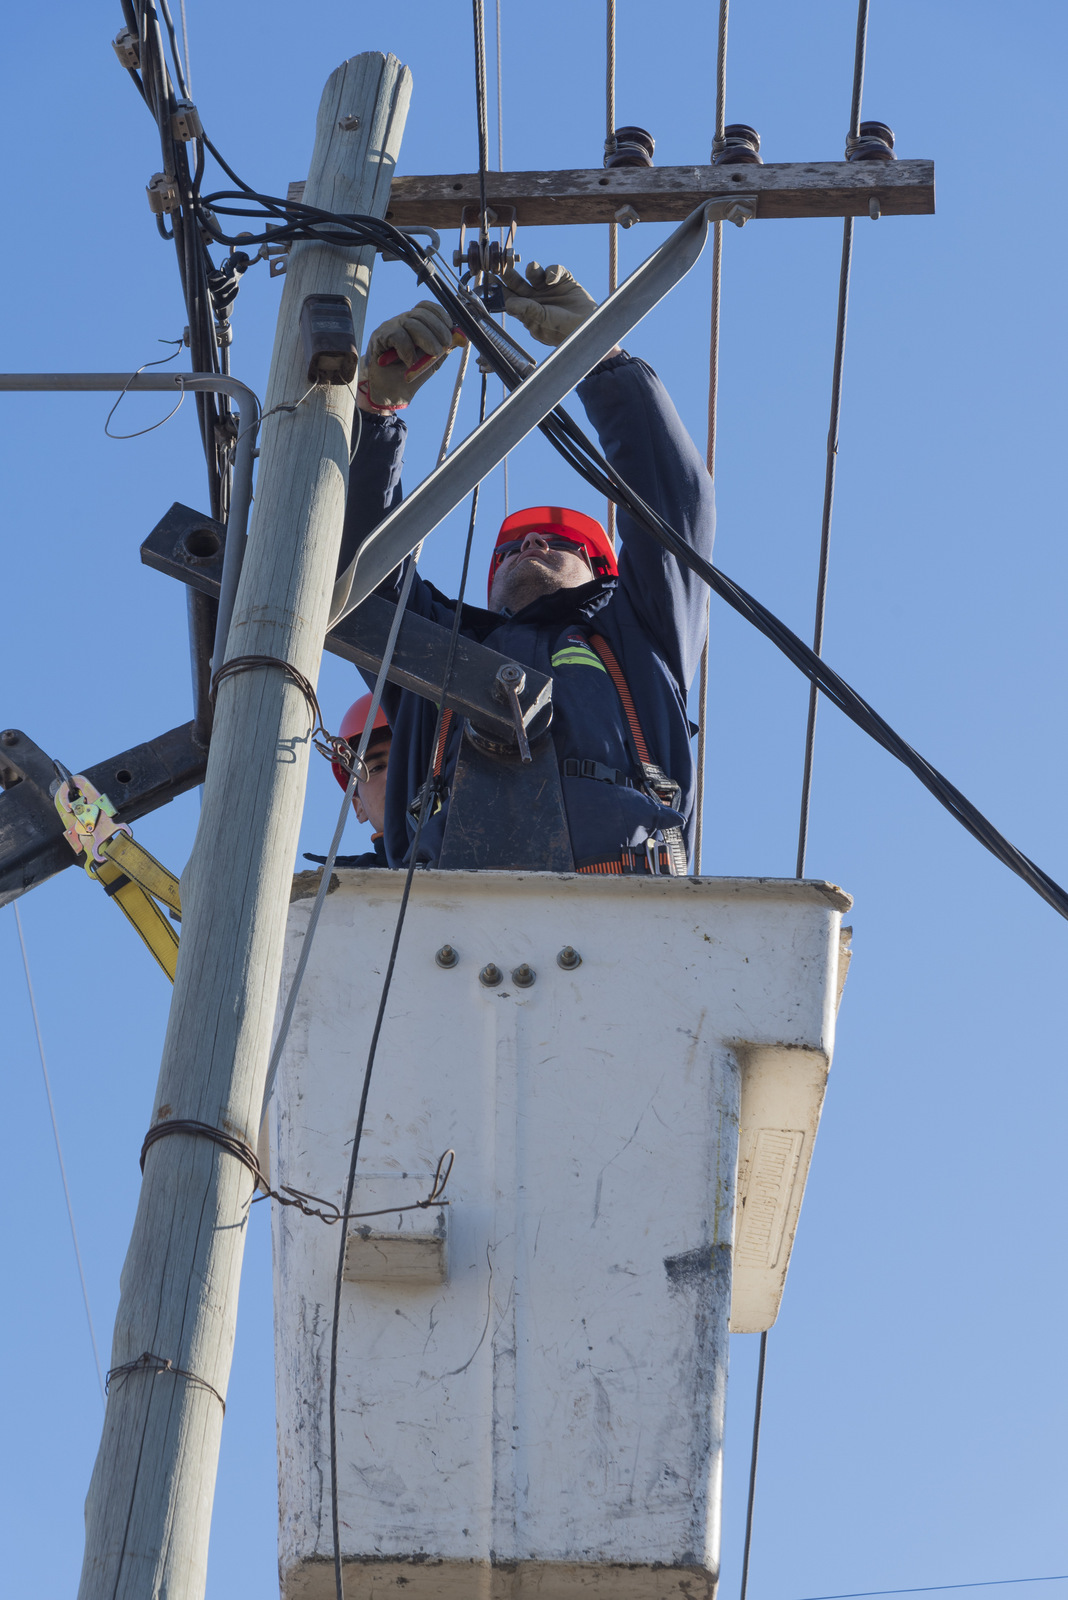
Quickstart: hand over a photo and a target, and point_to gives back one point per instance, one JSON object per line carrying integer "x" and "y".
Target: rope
{"x": 832, "y": 454}
{"x": 424, "y": 809}
{"x": 710, "y": 449}
{"x": 59, "y": 1153}
{"x": 613, "y": 227}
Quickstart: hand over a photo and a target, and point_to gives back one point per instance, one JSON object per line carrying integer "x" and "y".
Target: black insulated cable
{"x": 306, "y": 222}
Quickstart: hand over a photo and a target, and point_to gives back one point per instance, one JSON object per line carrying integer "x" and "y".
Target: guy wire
{"x": 710, "y": 449}
{"x": 59, "y": 1152}
{"x": 832, "y": 453}
{"x": 613, "y": 227}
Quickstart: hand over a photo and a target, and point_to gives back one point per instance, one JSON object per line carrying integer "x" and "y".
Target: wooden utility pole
{"x": 148, "y": 1511}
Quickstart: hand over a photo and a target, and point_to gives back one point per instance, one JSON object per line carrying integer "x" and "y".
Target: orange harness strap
{"x": 439, "y": 753}
{"x": 607, "y": 655}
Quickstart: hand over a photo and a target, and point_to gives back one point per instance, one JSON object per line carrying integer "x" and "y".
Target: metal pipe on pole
{"x": 148, "y": 1510}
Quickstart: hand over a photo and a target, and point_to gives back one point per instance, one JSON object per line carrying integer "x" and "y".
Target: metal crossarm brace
{"x": 439, "y": 493}
{"x": 191, "y": 547}
{"x": 32, "y": 846}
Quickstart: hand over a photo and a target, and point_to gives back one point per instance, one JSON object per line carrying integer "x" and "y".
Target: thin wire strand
{"x": 59, "y": 1153}
{"x": 832, "y": 455}
{"x": 500, "y": 168}
{"x": 936, "y": 1588}
{"x": 710, "y": 448}
{"x": 185, "y": 51}
{"x": 361, "y": 752}
{"x": 424, "y": 807}
{"x": 126, "y": 387}
{"x": 758, "y": 1410}
{"x": 613, "y": 227}
{"x": 479, "y": 14}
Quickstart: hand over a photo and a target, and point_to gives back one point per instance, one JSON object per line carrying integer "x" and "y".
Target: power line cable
{"x": 817, "y": 646}
{"x": 301, "y": 221}
{"x": 479, "y": 15}
{"x": 832, "y": 450}
{"x": 710, "y": 447}
{"x": 59, "y": 1154}
{"x": 937, "y": 1588}
{"x": 613, "y": 227}
{"x": 758, "y": 1410}
{"x": 387, "y": 982}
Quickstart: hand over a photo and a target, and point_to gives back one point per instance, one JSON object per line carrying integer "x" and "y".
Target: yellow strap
{"x": 143, "y": 912}
{"x": 144, "y": 869}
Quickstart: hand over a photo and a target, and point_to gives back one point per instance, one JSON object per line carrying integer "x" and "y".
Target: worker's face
{"x": 370, "y": 797}
{"x": 537, "y": 568}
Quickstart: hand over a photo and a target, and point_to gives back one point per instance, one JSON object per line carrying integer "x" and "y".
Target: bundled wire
{"x": 285, "y": 220}
{"x": 154, "y": 83}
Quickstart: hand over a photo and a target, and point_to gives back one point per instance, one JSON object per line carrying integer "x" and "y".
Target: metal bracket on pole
{"x": 191, "y": 548}
{"x": 532, "y": 400}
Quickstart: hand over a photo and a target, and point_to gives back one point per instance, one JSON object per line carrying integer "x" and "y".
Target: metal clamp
{"x": 736, "y": 208}
{"x": 86, "y": 815}
{"x": 508, "y": 686}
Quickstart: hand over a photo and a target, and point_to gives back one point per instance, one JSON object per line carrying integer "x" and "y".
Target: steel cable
{"x": 558, "y": 427}
{"x": 832, "y": 453}
{"x": 613, "y": 227}
{"x": 59, "y": 1155}
{"x": 710, "y": 446}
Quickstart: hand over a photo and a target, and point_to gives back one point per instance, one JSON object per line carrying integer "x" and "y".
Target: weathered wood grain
{"x": 665, "y": 194}
{"x": 148, "y": 1511}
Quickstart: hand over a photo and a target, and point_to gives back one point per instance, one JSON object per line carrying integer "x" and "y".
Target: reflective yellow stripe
{"x": 577, "y": 656}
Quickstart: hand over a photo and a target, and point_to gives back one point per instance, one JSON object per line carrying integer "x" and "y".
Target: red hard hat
{"x": 582, "y": 530}
{"x": 352, "y": 725}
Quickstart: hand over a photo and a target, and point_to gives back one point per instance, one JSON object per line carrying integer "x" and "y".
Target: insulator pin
{"x": 126, "y": 48}
{"x": 163, "y": 196}
{"x": 629, "y": 147}
{"x": 874, "y": 142}
{"x": 739, "y": 147}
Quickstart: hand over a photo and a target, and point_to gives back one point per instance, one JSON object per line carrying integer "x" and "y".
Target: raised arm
{"x": 642, "y": 435}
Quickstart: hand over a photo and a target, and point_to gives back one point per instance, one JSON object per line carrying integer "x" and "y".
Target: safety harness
{"x": 663, "y": 857}
{"x": 124, "y": 869}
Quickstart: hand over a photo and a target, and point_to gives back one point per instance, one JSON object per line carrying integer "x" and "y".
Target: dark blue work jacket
{"x": 652, "y": 616}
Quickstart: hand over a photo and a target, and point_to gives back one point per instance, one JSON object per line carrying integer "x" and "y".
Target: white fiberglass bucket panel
{"x": 532, "y": 1379}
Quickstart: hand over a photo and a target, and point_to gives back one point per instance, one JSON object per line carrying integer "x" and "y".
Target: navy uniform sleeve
{"x": 643, "y": 437}
{"x": 374, "y": 479}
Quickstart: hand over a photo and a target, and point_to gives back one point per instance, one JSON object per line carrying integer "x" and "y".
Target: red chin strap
{"x": 584, "y": 531}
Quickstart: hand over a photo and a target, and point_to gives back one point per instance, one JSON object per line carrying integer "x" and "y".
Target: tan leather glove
{"x": 549, "y": 302}
{"x": 419, "y": 340}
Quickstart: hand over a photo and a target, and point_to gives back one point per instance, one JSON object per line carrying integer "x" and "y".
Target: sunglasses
{"x": 554, "y": 541}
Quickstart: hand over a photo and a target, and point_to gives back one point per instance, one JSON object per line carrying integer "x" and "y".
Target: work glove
{"x": 549, "y": 302}
{"x": 420, "y": 340}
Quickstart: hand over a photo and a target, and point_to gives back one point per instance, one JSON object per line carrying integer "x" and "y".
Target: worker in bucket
{"x": 622, "y": 640}
{"x": 369, "y": 799}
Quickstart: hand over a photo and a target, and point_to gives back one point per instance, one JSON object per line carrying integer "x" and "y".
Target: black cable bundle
{"x": 286, "y": 220}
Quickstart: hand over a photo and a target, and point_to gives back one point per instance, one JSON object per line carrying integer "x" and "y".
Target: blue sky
{"x": 914, "y": 1414}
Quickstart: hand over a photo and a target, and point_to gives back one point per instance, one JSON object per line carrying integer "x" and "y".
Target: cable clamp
{"x": 163, "y": 196}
